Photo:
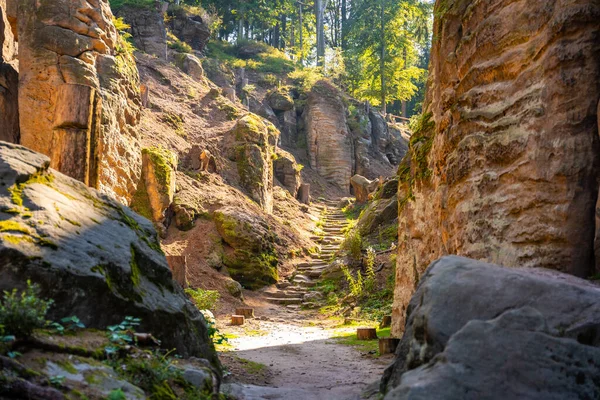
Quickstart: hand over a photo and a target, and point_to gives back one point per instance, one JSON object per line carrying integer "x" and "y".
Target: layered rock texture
{"x": 252, "y": 142}
{"x": 97, "y": 259}
{"x": 481, "y": 331}
{"x": 9, "y": 80}
{"x": 147, "y": 28}
{"x": 329, "y": 141}
{"x": 83, "y": 88}
{"x": 504, "y": 164}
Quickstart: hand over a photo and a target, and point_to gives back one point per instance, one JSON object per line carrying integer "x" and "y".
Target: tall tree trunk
{"x": 276, "y": 36}
{"x": 320, "y": 6}
{"x": 301, "y": 33}
{"x": 344, "y": 24}
{"x": 283, "y": 31}
{"x": 382, "y": 61}
{"x": 240, "y": 30}
{"x": 405, "y": 56}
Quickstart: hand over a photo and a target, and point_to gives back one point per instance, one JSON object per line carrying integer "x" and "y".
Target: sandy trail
{"x": 304, "y": 362}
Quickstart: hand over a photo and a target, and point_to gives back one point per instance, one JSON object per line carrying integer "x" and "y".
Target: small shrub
{"x": 356, "y": 285}
{"x": 204, "y": 299}
{"x": 22, "y": 313}
{"x": 370, "y": 270}
{"x": 121, "y": 335}
{"x": 353, "y": 244}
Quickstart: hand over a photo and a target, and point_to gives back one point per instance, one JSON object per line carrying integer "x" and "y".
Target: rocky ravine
{"x": 504, "y": 167}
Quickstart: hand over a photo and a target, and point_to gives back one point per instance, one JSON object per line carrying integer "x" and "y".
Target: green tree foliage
{"x": 385, "y": 39}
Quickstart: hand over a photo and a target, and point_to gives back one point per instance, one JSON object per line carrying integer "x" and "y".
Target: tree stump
{"x": 245, "y": 311}
{"x": 366, "y": 333}
{"x": 388, "y": 345}
{"x": 237, "y": 320}
{"x": 386, "y": 321}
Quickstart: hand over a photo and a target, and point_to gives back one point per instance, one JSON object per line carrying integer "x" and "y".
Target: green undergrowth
{"x": 368, "y": 346}
{"x": 264, "y": 58}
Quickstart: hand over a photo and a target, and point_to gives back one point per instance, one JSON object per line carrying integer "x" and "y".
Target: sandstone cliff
{"x": 9, "y": 80}
{"x": 504, "y": 164}
{"x": 81, "y": 84}
{"x": 329, "y": 141}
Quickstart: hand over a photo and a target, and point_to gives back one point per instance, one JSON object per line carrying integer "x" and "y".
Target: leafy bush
{"x": 306, "y": 77}
{"x": 121, "y": 335}
{"x": 353, "y": 244}
{"x": 204, "y": 299}
{"x": 68, "y": 324}
{"x": 22, "y": 313}
{"x": 356, "y": 285}
{"x": 370, "y": 270}
{"x": 124, "y": 44}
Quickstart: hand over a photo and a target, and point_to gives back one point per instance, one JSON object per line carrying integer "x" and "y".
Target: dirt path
{"x": 301, "y": 362}
{"x": 287, "y": 353}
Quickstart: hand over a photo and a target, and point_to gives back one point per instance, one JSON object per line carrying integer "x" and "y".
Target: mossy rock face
{"x": 253, "y": 140}
{"x": 95, "y": 258}
{"x": 156, "y": 189}
{"x": 280, "y": 100}
{"x": 253, "y": 260}
{"x": 377, "y": 213}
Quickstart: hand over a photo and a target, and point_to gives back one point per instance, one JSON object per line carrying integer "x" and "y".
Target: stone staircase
{"x": 296, "y": 292}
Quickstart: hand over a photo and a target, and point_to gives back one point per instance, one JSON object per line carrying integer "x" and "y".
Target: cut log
{"x": 245, "y": 311}
{"x": 366, "y": 333}
{"x": 388, "y": 345}
{"x": 237, "y": 320}
{"x": 386, "y": 321}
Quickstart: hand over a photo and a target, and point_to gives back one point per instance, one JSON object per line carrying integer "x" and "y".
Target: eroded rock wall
{"x": 83, "y": 89}
{"x": 329, "y": 141}
{"x": 147, "y": 28}
{"x": 9, "y": 80}
{"x": 505, "y": 169}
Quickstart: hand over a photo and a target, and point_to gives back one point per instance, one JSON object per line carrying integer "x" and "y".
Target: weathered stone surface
{"x": 147, "y": 28}
{"x": 156, "y": 189}
{"x": 377, "y": 213}
{"x": 288, "y": 122}
{"x": 363, "y": 187}
{"x": 287, "y": 171}
{"x": 455, "y": 290}
{"x": 188, "y": 27}
{"x": 219, "y": 73}
{"x": 280, "y": 100}
{"x": 515, "y": 356}
{"x": 9, "y": 81}
{"x": 97, "y": 259}
{"x": 252, "y": 141}
{"x": 329, "y": 142}
{"x": 251, "y": 259}
{"x": 75, "y": 43}
{"x": 505, "y": 166}
{"x": 191, "y": 65}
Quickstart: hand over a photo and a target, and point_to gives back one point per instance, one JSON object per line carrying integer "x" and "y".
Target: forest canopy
{"x": 377, "y": 50}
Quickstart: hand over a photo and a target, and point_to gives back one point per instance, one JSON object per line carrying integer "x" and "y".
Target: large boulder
{"x": 251, "y": 258}
{"x": 287, "y": 171}
{"x": 280, "y": 100}
{"x": 515, "y": 356}
{"x": 251, "y": 143}
{"x": 456, "y": 291}
{"x": 156, "y": 189}
{"x": 9, "y": 80}
{"x": 503, "y": 164}
{"x": 363, "y": 187}
{"x": 189, "y": 27}
{"x": 95, "y": 258}
{"x": 378, "y": 213}
{"x": 330, "y": 147}
{"x": 147, "y": 28}
{"x": 82, "y": 86}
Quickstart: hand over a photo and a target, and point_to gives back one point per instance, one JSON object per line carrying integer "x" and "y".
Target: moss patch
{"x": 164, "y": 162}
{"x": 16, "y": 191}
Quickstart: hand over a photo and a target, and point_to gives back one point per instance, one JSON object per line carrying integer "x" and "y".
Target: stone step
{"x": 284, "y": 294}
{"x": 310, "y": 264}
{"x": 314, "y": 274}
{"x": 293, "y": 306}
{"x": 306, "y": 284}
{"x": 285, "y": 302}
